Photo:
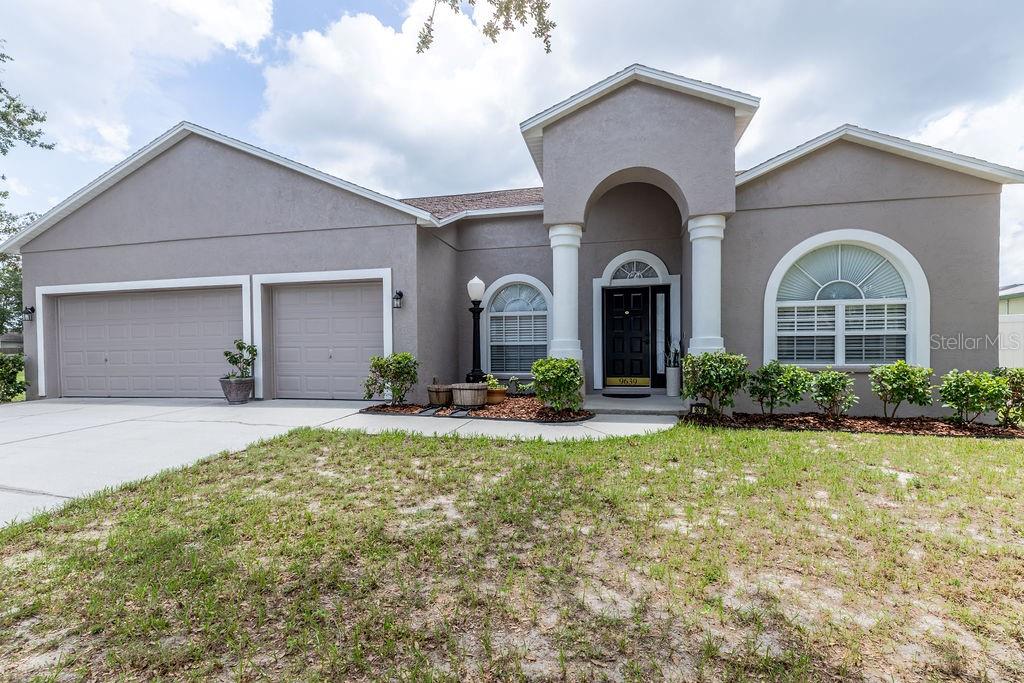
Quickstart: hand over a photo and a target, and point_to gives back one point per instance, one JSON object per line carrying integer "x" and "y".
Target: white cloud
{"x": 95, "y": 65}
{"x": 14, "y": 186}
{"x": 992, "y": 132}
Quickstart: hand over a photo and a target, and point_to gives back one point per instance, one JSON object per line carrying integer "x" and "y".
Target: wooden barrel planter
{"x": 439, "y": 394}
{"x": 472, "y": 395}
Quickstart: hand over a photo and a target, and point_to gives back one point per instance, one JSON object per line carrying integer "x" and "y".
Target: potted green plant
{"x": 672, "y": 370}
{"x": 496, "y": 391}
{"x": 238, "y": 384}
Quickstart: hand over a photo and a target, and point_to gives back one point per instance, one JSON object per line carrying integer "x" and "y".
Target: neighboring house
{"x": 10, "y": 343}
{"x": 1011, "y": 326}
{"x": 852, "y": 249}
{"x": 1011, "y": 300}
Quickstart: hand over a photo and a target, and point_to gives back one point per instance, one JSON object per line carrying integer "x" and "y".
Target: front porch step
{"x": 651, "y": 405}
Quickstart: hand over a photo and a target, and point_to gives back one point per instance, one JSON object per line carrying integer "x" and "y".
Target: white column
{"x": 565, "y": 261}
{"x": 706, "y": 233}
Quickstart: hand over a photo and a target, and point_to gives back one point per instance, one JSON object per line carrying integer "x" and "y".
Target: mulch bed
{"x": 517, "y": 408}
{"x": 814, "y": 422}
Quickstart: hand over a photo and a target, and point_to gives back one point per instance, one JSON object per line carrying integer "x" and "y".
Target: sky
{"x": 337, "y": 84}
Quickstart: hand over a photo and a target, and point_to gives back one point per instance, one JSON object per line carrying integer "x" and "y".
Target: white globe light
{"x": 476, "y": 288}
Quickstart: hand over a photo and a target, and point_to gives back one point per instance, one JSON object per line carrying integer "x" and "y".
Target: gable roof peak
{"x": 165, "y": 141}
{"x": 743, "y": 104}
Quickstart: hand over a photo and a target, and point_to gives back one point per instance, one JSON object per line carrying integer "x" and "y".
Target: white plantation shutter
{"x": 517, "y": 327}
{"x": 842, "y": 304}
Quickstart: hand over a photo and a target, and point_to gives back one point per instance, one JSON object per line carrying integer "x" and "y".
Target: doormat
{"x": 615, "y": 395}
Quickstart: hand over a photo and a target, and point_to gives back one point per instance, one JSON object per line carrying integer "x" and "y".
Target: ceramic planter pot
{"x": 496, "y": 396}
{"x": 469, "y": 395}
{"x": 237, "y": 390}
{"x": 672, "y": 381}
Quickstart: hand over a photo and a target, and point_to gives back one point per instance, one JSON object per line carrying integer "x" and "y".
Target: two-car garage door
{"x": 171, "y": 343}
{"x": 152, "y": 344}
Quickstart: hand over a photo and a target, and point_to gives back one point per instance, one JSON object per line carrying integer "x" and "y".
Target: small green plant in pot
{"x": 496, "y": 391}
{"x": 672, "y": 370}
{"x": 238, "y": 384}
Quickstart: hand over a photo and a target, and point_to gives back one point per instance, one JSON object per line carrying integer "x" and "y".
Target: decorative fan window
{"x": 635, "y": 270}
{"x": 842, "y": 305}
{"x": 517, "y": 326}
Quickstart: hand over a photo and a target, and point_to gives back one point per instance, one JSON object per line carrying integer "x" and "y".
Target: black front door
{"x": 627, "y": 337}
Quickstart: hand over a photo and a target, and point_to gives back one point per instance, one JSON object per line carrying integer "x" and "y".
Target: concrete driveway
{"x": 58, "y": 449}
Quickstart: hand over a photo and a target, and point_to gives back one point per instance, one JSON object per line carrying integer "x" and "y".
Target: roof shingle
{"x": 443, "y": 206}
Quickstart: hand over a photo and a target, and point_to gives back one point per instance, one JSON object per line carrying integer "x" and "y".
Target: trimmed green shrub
{"x": 714, "y": 377}
{"x": 10, "y": 386}
{"x": 557, "y": 382}
{"x": 778, "y": 385}
{"x": 832, "y": 391}
{"x": 901, "y": 383}
{"x": 242, "y": 359}
{"x": 971, "y": 394}
{"x": 395, "y": 374}
{"x": 1012, "y": 413}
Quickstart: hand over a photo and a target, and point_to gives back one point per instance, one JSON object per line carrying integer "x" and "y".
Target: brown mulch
{"x": 814, "y": 422}
{"x": 529, "y": 408}
{"x": 400, "y": 409}
{"x": 523, "y": 408}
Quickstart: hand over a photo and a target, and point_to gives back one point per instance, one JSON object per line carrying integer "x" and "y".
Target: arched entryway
{"x": 636, "y": 318}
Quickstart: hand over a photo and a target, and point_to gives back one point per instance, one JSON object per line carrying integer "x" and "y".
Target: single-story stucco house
{"x": 853, "y": 249}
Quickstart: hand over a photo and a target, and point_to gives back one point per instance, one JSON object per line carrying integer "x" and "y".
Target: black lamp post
{"x": 475, "y": 288}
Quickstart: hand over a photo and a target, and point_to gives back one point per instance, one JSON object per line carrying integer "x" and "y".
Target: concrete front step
{"x": 651, "y": 405}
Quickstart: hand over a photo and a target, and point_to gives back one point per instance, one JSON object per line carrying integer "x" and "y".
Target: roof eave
{"x": 501, "y": 212}
{"x": 960, "y": 163}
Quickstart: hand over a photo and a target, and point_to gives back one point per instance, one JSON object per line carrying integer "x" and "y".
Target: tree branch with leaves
{"x": 508, "y": 16}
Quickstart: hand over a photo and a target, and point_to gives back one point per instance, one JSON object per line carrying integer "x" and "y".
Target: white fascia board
{"x": 745, "y": 105}
{"x": 894, "y": 145}
{"x": 492, "y": 213}
{"x": 1011, "y": 292}
{"x": 165, "y": 142}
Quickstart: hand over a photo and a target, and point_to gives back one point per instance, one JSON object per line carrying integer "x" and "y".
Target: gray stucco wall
{"x": 688, "y": 139}
{"x": 203, "y": 209}
{"x": 948, "y": 221}
{"x": 439, "y": 296}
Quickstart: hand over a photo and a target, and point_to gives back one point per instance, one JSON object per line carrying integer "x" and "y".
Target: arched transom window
{"x": 517, "y": 326}
{"x": 842, "y": 304}
{"x": 635, "y": 270}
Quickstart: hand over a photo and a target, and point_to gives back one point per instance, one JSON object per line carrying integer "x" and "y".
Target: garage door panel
{"x": 159, "y": 344}
{"x": 324, "y": 335}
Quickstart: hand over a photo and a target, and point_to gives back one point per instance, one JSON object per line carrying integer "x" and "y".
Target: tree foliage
{"x": 19, "y": 123}
{"x": 508, "y": 15}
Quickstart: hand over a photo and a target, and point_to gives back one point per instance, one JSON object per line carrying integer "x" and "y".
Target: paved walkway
{"x": 58, "y": 449}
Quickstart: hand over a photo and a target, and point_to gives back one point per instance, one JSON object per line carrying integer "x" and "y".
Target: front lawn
{"x": 722, "y": 554}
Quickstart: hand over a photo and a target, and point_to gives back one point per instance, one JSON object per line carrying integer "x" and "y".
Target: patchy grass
{"x": 695, "y": 554}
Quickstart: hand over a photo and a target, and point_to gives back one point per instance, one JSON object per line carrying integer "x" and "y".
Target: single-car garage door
{"x": 159, "y": 344}
{"x": 324, "y": 335}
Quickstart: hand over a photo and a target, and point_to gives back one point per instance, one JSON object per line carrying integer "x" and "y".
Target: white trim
{"x": 918, "y": 299}
{"x": 168, "y": 140}
{"x": 888, "y": 143}
{"x": 605, "y": 281}
{"x": 532, "y": 128}
{"x": 492, "y": 213}
{"x": 363, "y": 274}
{"x": 44, "y": 291}
{"x": 494, "y": 288}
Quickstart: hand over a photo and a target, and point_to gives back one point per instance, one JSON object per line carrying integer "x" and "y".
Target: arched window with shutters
{"x": 517, "y": 324}
{"x": 855, "y": 302}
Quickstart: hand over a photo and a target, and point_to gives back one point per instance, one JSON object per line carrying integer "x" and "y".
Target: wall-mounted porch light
{"x": 396, "y": 300}
{"x": 29, "y": 313}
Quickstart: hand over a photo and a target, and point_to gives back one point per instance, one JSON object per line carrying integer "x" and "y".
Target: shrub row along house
{"x": 855, "y": 248}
